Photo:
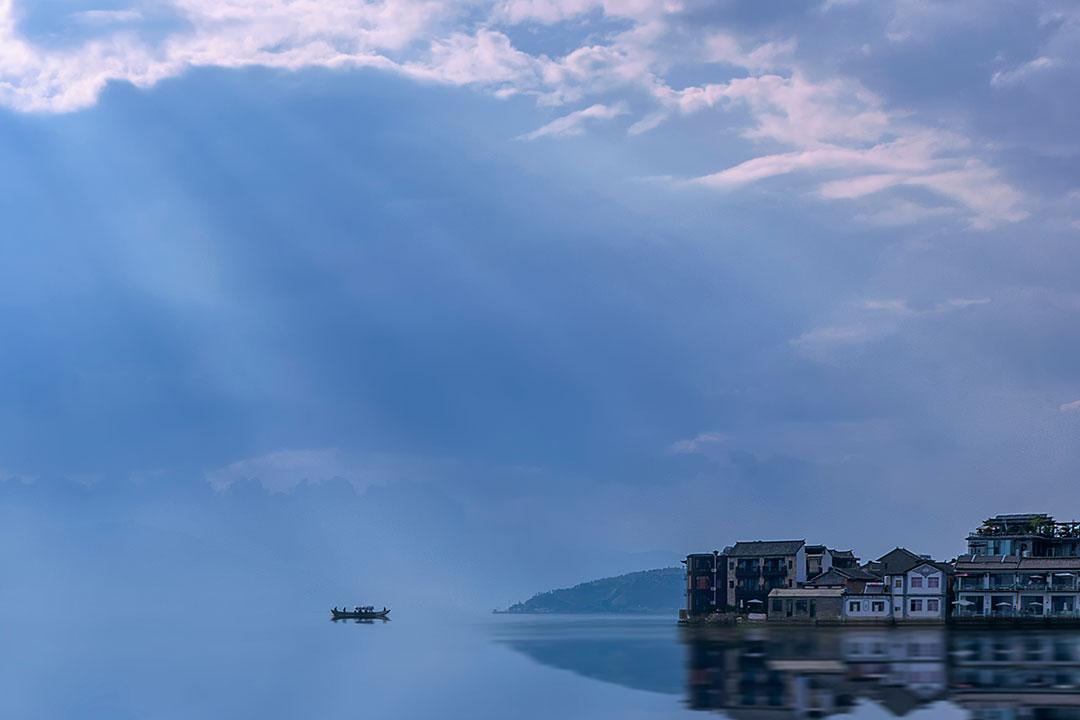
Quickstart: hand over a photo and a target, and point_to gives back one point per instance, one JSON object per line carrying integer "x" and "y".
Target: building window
{"x": 731, "y": 583}
{"x": 789, "y": 565}
{"x": 898, "y": 583}
{"x": 916, "y": 581}
{"x": 933, "y": 605}
{"x": 933, "y": 582}
{"x": 877, "y": 606}
{"x": 916, "y": 606}
{"x": 854, "y": 606}
{"x": 703, "y": 583}
{"x": 777, "y": 605}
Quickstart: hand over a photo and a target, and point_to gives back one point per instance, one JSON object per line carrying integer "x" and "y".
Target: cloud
{"x": 696, "y": 444}
{"x": 572, "y": 123}
{"x": 831, "y": 131}
{"x": 905, "y": 212}
{"x": 925, "y": 160}
{"x": 1020, "y": 73}
{"x": 106, "y": 17}
{"x": 283, "y": 471}
{"x": 1070, "y": 407}
{"x": 832, "y": 335}
{"x": 872, "y": 320}
{"x": 7, "y": 476}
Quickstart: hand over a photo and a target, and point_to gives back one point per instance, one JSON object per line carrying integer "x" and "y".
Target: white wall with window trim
{"x": 867, "y": 607}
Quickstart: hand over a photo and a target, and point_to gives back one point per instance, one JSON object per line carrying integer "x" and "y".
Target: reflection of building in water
{"x": 1016, "y": 675}
{"x": 816, "y": 673}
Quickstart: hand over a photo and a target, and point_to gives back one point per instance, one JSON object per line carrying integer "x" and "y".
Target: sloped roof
{"x": 842, "y": 553}
{"x": 838, "y": 576}
{"x": 901, "y": 560}
{"x": 763, "y": 548}
{"x": 827, "y": 578}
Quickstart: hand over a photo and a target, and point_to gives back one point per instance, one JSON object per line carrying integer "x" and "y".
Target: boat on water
{"x": 360, "y": 612}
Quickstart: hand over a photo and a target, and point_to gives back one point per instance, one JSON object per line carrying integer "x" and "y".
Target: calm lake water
{"x": 528, "y": 667}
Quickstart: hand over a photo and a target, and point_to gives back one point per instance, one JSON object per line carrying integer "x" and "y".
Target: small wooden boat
{"x": 360, "y": 613}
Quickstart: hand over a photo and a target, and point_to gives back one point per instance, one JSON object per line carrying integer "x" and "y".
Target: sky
{"x": 318, "y": 298}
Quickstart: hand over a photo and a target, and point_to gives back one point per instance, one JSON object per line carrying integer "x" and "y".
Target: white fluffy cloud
{"x": 832, "y": 130}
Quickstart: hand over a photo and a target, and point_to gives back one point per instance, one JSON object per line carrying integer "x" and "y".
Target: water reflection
{"x": 787, "y": 672}
{"x": 1022, "y": 675}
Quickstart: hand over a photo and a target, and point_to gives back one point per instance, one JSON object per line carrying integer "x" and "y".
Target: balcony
{"x": 747, "y": 571}
{"x": 775, "y": 570}
{"x": 969, "y": 584}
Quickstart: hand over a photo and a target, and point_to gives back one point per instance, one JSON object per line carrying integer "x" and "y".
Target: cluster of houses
{"x": 1018, "y": 567}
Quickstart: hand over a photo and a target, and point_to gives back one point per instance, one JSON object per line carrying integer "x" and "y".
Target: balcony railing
{"x": 775, "y": 570}
{"x": 747, "y": 571}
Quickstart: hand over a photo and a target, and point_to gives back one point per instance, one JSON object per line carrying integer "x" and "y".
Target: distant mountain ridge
{"x": 643, "y": 592}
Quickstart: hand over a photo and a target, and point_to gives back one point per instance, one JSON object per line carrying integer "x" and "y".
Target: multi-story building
{"x": 844, "y": 559}
{"x": 755, "y": 568}
{"x": 1025, "y": 535}
{"x": 1011, "y": 586}
{"x": 818, "y": 560}
{"x": 855, "y": 581}
{"x": 706, "y": 583}
{"x": 917, "y": 586}
{"x": 821, "y": 559}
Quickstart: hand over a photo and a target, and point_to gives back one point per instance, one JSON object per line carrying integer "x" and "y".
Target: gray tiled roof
{"x": 901, "y": 560}
{"x": 837, "y": 576}
{"x": 763, "y": 548}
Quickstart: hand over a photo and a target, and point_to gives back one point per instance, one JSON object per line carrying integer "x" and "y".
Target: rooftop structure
{"x": 765, "y": 548}
{"x": 1025, "y": 535}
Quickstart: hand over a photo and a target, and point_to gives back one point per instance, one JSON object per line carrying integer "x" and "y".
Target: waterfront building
{"x": 870, "y": 606}
{"x": 818, "y": 560}
{"x": 917, "y": 586}
{"x": 807, "y": 605}
{"x": 844, "y": 559}
{"x": 821, "y": 559}
{"x": 706, "y": 583}
{"x": 1011, "y": 586}
{"x": 854, "y": 580}
{"x": 758, "y": 567}
{"x": 1025, "y": 535}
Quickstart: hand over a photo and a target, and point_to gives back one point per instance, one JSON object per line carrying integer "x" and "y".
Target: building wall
{"x": 868, "y": 607}
{"x": 705, "y": 590}
{"x": 800, "y": 566}
{"x": 922, "y": 584}
{"x": 798, "y": 610}
{"x": 740, "y": 595}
